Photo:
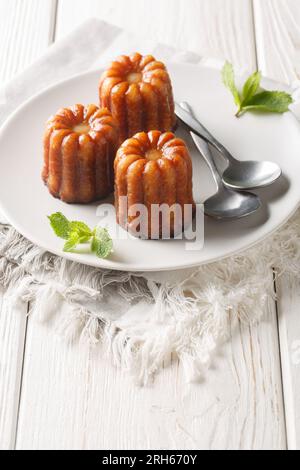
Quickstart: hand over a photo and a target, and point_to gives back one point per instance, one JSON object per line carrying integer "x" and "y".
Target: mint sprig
{"x": 72, "y": 241}
{"x": 60, "y": 225}
{"x": 102, "y": 244}
{"x": 251, "y": 86}
{"x": 229, "y": 82}
{"x": 253, "y": 97}
{"x": 76, "y": 233}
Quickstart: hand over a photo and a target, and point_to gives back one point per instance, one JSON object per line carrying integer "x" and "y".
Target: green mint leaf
{"x": 60, "y": 225}
{"x": 270, "y": 101}
{"x": 102, "y": 244}
{"x": 72, "y": 242}
{"x": 251, "y": 86}
{"x": 253, "y": 99}
{"x": 76, "y": 233}
{"x": 229, "y": 82}
{"x": 82, "y": 229}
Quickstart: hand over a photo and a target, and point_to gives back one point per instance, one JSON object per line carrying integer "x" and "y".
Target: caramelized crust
{"x": 80, "y": 145}
{"x": 153, "y": 168}
{"x": 137, "y": 90}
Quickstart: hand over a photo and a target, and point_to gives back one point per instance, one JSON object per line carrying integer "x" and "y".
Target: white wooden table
{"x": 57, "y": 396}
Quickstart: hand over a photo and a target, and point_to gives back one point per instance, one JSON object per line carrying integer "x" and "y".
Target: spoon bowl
{"x": 251, "y": 174}
{"x": 229, "y": 204}
{"x": 238, "y": 174}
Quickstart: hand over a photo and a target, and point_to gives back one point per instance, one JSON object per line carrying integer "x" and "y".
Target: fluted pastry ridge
{"x": 80, "y": 145}
{"x": 138, "y": 91}
{"x": 153, "y": 168}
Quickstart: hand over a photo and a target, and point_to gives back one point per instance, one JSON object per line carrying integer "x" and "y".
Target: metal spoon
{"x": 238, "y": 174}
{"x": 226, "y": 203}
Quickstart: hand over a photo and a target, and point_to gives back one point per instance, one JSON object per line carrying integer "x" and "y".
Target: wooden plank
{"x": 278, "y": 47}
{"x": 277, "y": 33}
{"x": 72, "y": 397}
{"x": 289, "y": 327}
{"x": 12, "y": 340}
{"x": 25, "y": 28}
{"x": 218, "y": 28}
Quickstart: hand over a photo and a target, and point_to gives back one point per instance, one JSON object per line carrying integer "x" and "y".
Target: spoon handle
{"x": 204, "y": 149}
{"x": 184, "y": 112}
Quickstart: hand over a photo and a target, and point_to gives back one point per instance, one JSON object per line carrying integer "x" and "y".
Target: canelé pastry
{"x": 153, "y": 169}
{"x": 80, "y": 145}
{"x": 137, "y": 90}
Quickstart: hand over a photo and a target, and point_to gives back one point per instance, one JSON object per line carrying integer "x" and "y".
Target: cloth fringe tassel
{"x": 140, "y": 320}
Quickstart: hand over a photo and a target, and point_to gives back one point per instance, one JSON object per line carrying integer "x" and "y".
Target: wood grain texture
{"x": 25, "y": 29}
{"x": 73, "y": 398}
{"x": 212, "y": 28}
{"x": 12, "y": 338}
{"x": 278, "y": 47}
{"x": 240, "y": 404}
{"x": 289, "y": 327}
{"x": 277, "y": 26}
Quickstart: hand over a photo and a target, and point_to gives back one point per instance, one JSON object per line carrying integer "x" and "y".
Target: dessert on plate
{"x": 137, "y": 90}
{"x": 80, "y": 145}
{"x": 153, "y": 169}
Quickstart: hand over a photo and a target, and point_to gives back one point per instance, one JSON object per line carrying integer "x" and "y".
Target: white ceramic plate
{"x": 26, "y": 202}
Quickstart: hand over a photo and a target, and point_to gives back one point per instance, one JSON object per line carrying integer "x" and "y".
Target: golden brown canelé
{"x": 154, "y": 168}
{"x": 80, "y": 145}
{"x": 137, "y": 90}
